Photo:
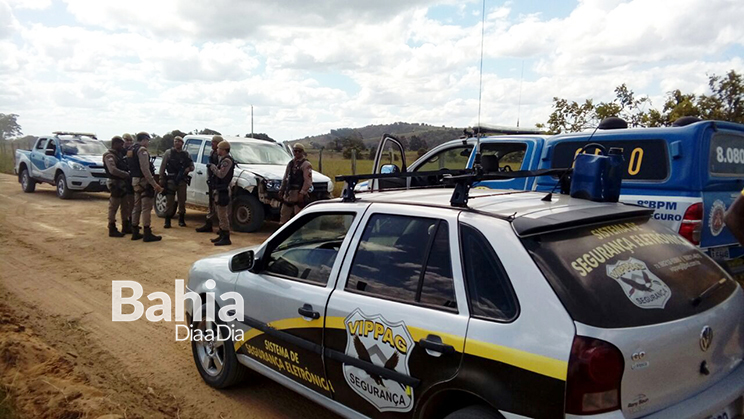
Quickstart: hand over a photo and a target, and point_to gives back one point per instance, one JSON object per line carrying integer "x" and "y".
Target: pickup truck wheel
{"x": 62, "y": 190}
{"x": 247, "y": 214}
{"x": 27, "y": 184}
{"x": 161, "y": 206}
{"x": 215, "y": 359}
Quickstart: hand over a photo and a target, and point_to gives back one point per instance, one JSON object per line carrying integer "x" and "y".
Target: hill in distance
{"x": 370, "y": 135}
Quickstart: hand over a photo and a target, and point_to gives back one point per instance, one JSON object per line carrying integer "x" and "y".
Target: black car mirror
{"x": 243, "y": 261}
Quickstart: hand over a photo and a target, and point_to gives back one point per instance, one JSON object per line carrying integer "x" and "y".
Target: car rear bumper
{"x": 706, "y": 404}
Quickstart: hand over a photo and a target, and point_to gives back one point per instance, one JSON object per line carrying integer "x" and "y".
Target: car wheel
{"x": 161, "y": 204}
{"x": 62, "y": 190}
{"x": 27, "y": 184}
{"x": 247, "y": 214}
{"x": 215, "y": 359}
{"x": 474, "y": 412}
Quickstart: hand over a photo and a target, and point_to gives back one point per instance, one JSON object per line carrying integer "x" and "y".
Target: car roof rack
{"x": 77, "y": 134}
{"x": 462, "y": 180}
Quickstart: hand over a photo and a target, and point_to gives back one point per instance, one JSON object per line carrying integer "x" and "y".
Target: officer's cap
{"x": 224, "y": 145}
{"x": 143, "y": 136}
{"x": 299, "y": 147}
{"x": 116, "y": 140}
{"x": 218, "y": 139}
{"x": 127, "y": 137}
{"x": 178, "y": 138}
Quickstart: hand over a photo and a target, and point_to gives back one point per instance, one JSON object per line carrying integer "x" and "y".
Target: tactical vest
{"x": 119, "y": 161}
{"x": 224, "y": 183}
{"x": 214, "y": 159}
{"x": 296, "y": 176}
{"x": 176, "y": 161}
{"x": 134, "y": 166}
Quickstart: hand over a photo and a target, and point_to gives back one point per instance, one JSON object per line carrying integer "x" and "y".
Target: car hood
{"x": 276, "y": 171}
{"x": 86, "y": 160}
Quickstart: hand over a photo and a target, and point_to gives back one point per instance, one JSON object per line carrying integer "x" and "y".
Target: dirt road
{"x": 61, "y": 356}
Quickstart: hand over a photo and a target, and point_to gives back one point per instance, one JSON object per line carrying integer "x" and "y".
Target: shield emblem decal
{"x": 642, "y": 287}
{"x": 374, "y": 339}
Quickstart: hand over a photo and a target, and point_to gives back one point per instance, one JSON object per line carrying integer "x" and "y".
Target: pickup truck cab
{"x": 68, "y": 160}
{"x": 688, "y": 174}
{"x": 259, "y": 170}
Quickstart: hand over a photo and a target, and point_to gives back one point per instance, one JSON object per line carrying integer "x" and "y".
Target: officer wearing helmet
{"x": 141, "y": 170}
{"x": 223, "y": 174}
{"x": 296, "y": 184}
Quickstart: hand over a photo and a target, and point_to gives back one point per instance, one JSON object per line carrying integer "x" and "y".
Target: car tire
{"x": 247, "y": 214}
{"x": 27, "y": 184}
{"x": 216, "y": 362}
{"x": 161, "y": 206}
{"x": 474, "y": 412}
{"x": 62, "y": 190}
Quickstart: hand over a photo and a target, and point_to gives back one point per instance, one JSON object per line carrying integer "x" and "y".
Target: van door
{"x": 725, "y": 181}
{"x": 396, "y": 322}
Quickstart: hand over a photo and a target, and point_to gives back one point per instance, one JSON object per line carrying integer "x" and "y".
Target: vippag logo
{"x": 206, "y": 327}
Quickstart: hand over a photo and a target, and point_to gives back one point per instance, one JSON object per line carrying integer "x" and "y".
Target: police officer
{"x": 141, "y": 170}
{"x": 127, "y": 201}
{"x": 118, "y": 174}
{"x": 174, "y": 168}
{"x": 213, "y": 159}
{"x": 295, "y": 189}
{"x": 223, "y": 174}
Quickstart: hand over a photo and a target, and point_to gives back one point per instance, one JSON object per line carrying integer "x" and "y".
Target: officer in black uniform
{"x": 127, "y": 201}
{"x": 214, "y": 158}
{"x": 118, "y": 174}
{"x": 174, "y": 169}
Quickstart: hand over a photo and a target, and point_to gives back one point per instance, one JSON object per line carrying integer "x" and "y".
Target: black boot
{"x": 135, "y": 233}
{"x": 113, "y": 232}
{"x": 219, "y": 236}
{"x": 206, "y": 228}
{"x": 126, "y": 227}
{"x": 149, "y": 237}
{"x": 225, "y": 240}
{"x": 167, "y": 222}
{"x": 181, "y": 221}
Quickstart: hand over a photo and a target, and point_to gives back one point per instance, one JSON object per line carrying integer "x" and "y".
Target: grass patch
{"x": 6, "y": 411}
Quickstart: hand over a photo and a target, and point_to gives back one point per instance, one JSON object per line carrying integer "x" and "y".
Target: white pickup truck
{"x": 70, "y": 161}
{"x": 259, "y": 169}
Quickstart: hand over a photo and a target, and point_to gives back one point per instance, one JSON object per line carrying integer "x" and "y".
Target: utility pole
{"x": 251, "y": 121}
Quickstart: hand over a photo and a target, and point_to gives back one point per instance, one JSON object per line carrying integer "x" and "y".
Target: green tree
{"x": 205, "y": 131}
{"x": 727, "y": 101}
{"x": 9, "y": 126}
{"x": 260, "y": 136}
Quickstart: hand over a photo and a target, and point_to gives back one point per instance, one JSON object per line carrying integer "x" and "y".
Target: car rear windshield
{"x": 727, "y": 155}
{"x": 628, "y": 274}
{"x": 645, "y": 160}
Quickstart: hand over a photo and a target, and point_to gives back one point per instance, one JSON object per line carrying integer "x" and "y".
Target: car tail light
{"x": 692, "y": 223}
{"x": 595, "y": 371}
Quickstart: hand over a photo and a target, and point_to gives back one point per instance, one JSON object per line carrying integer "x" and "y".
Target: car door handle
{"x": 199, "y": 173}
{"x": 307, "y": 311}
{"x": 434, "y": 343}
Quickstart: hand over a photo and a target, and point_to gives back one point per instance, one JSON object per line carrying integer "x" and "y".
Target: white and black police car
{"x": 480, "y": 304}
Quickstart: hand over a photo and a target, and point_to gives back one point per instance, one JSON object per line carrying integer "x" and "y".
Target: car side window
{"x": 405, "y": 259}
{"x": 192, "y": 147}
{"x": 42, "y": 144}
{"x": 307, "y": 250}
{"x": 207, "y": 150}
{"x": 51, "y": 145}
{"x": 455, "y": 158}
{"x": 489, "y": 290}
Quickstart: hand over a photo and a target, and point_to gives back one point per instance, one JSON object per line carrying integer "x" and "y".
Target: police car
{"x": 479, "y": 304}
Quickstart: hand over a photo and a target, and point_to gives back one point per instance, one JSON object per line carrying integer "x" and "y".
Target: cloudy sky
{"x": 310, "y": 66}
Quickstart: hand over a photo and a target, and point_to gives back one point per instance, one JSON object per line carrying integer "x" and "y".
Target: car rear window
{"x": 628, "y": 274}
{"x": 644, "y": 159}
{"x": 727, "y": 155}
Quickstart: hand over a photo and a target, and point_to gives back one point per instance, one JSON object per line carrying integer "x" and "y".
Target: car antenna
{"x": 477, "y": 163}
{"x": 549, "y": 196}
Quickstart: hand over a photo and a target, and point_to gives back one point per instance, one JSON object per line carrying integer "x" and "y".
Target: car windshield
{"x": 257, "y": 153}
{"x": 82, "y": 147}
